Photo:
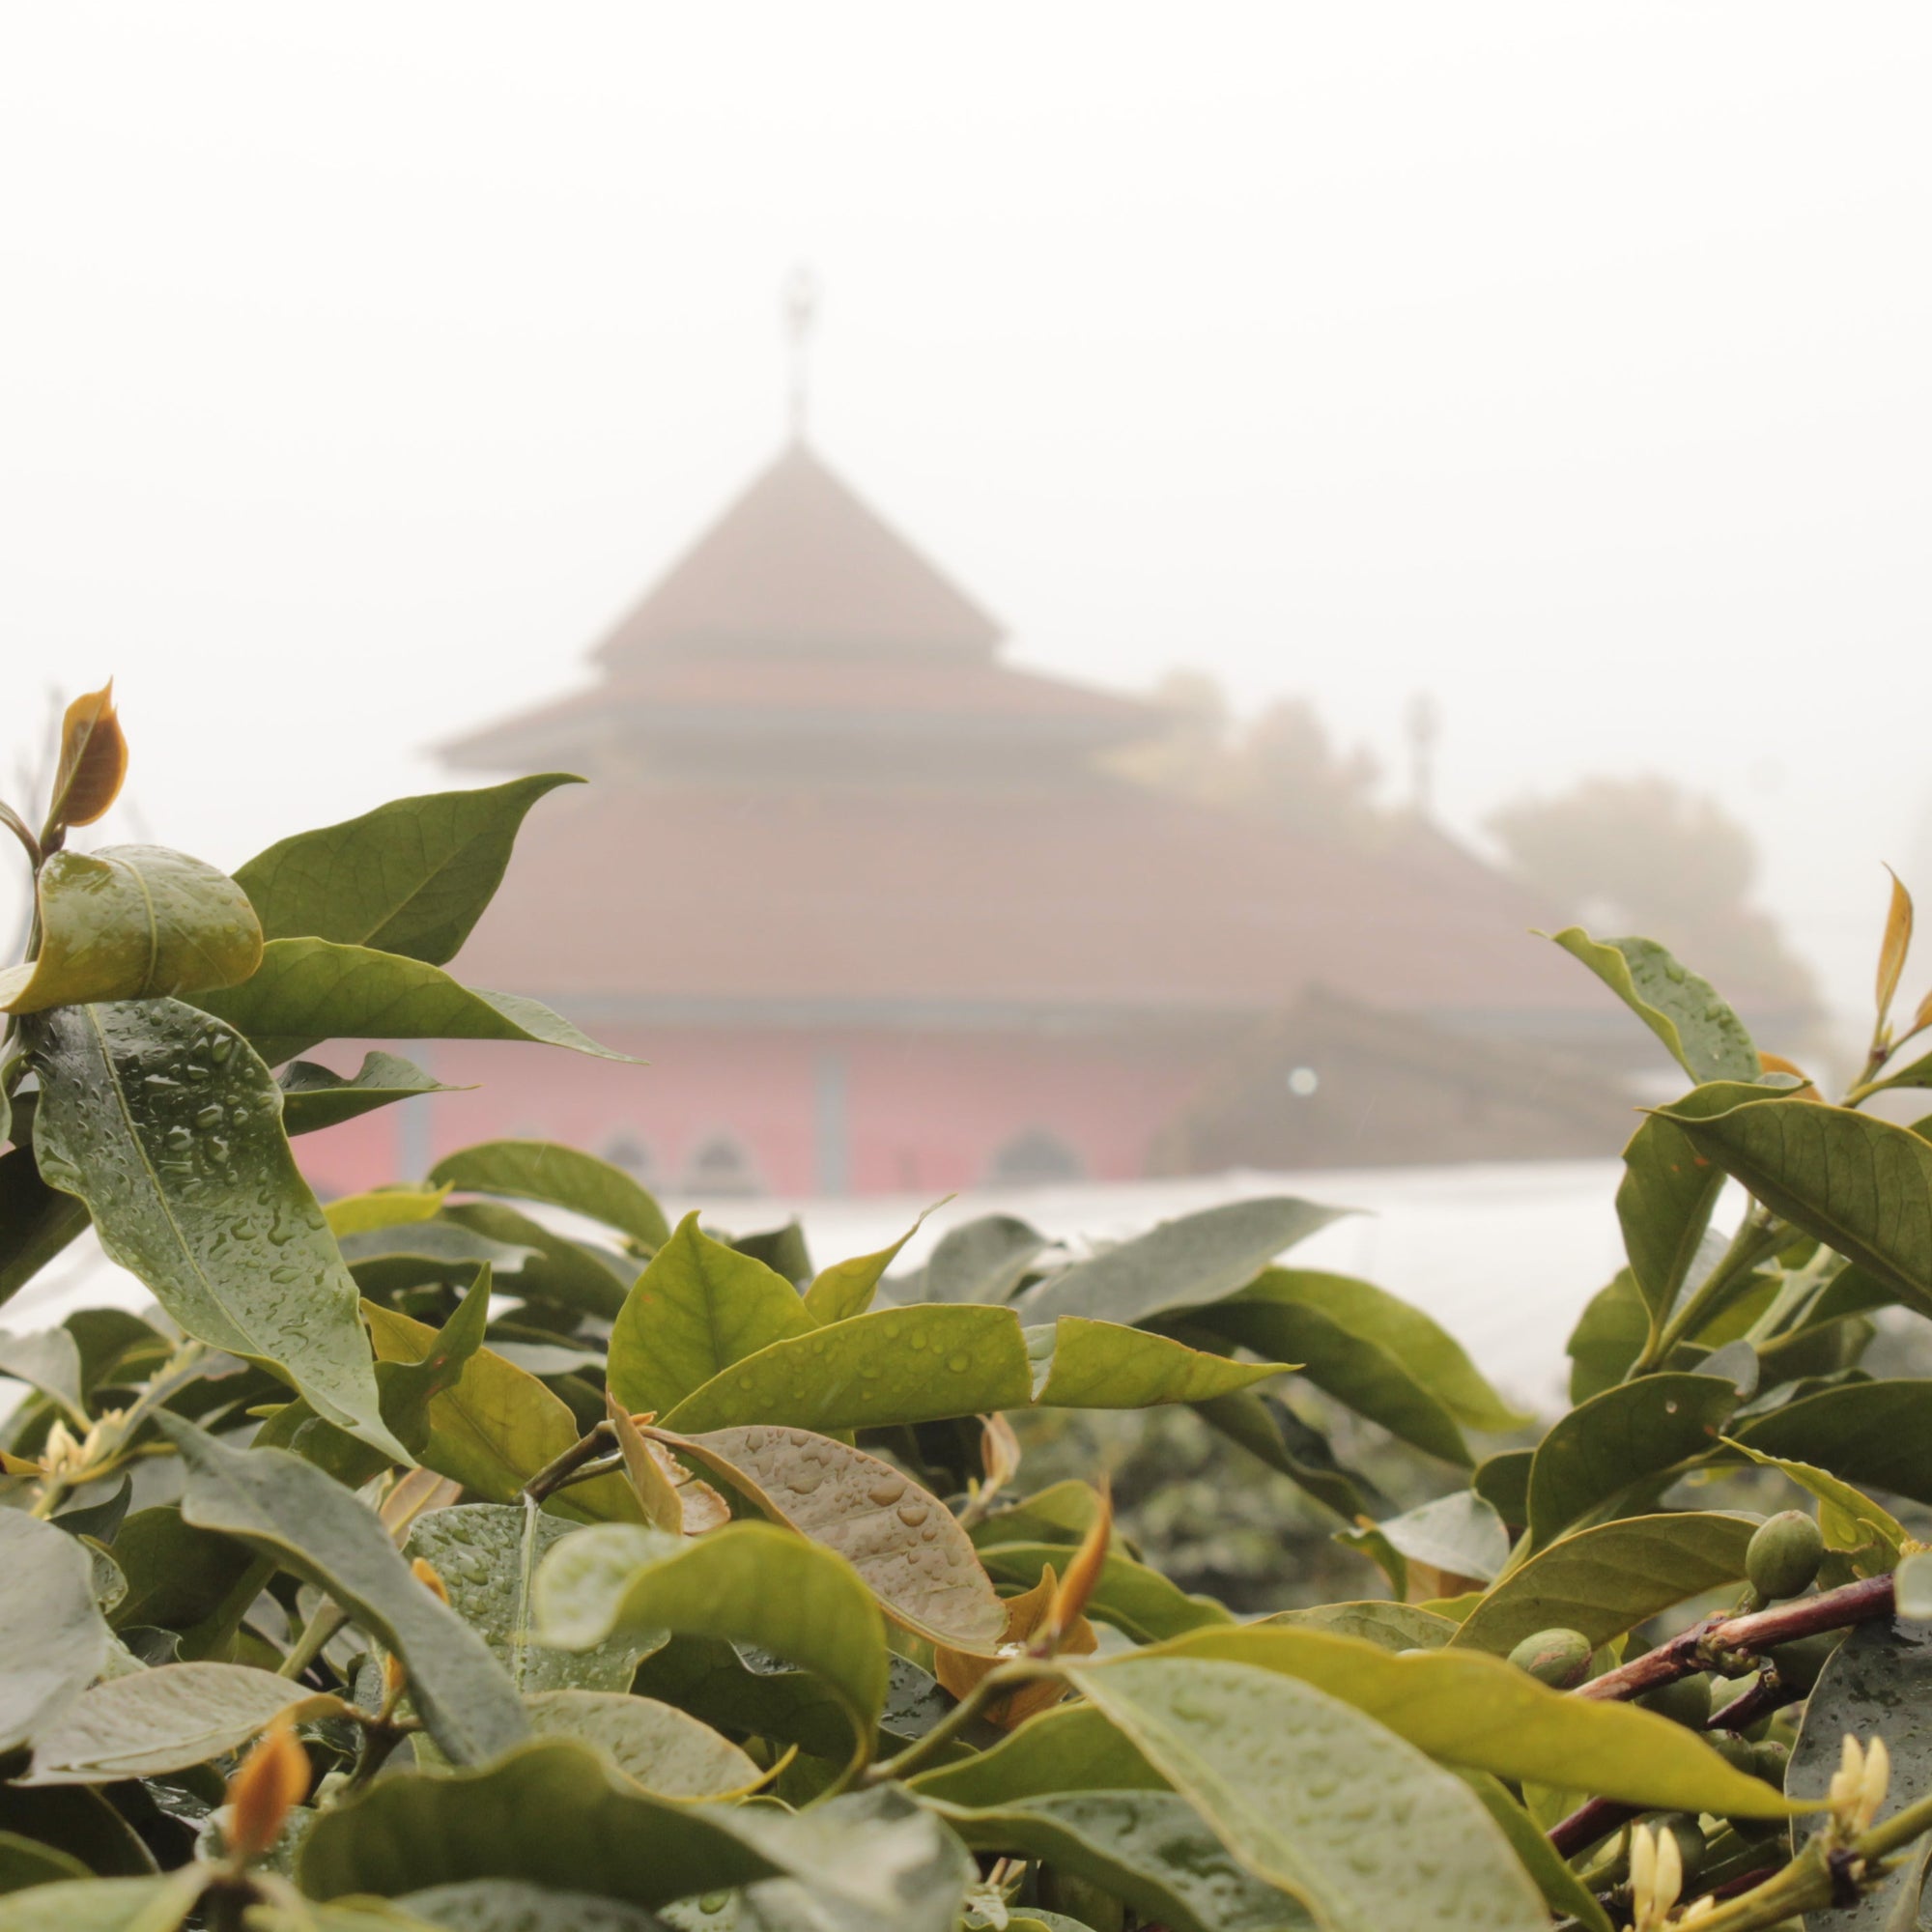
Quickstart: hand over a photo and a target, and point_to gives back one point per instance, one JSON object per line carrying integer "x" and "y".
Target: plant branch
{"x": 1756, "y": 1239}
{"x": 998, "y": 1683}
{"x": 1718, "y": 1639}
{"x": 570, "y": 1465}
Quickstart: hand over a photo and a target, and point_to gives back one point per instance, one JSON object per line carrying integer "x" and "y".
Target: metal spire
{"x": 801, "y": 315}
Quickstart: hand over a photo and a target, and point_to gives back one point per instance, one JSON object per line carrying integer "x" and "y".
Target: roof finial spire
{"x": 1422, "y": 720}
{"x": 801, "y": 315}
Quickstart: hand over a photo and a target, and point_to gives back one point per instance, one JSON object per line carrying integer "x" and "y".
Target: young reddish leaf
{"x": 1082, "y": 1575}
{"x": 959, "y": 1672}
{"x": 93, "y": 762}
{"x": 669, "y": 1496}
{"x": 272, "y": 1781}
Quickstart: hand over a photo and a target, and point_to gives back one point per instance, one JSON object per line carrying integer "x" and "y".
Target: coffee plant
{"x": 421, "y": 1560}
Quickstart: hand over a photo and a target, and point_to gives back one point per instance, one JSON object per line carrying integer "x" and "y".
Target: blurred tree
{"x": 1647, "y": 855}
{"x": 1282, "y": 764}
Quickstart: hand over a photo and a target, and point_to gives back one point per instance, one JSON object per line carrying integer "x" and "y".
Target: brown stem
{"x": 1589, "y": 1823}
{"x": 554, "y": 1474}
{"x": 1765, "y": 1694}
{"x": 1706, "y": 1645}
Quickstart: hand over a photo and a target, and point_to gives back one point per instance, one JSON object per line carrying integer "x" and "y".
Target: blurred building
{"x": 867, "y": 901}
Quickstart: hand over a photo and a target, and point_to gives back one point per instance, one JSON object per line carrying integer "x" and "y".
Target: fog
{"x": 1568, "y": 363}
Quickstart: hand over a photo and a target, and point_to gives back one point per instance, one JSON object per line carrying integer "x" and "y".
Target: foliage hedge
{"x": 427, "y": 1559}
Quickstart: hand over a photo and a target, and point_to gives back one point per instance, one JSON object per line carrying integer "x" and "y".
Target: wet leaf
{"x": 49, "y": 1361}
{"x": 699, "y": 1308}
{"x": 132, "y": 923}
{"x": 961, "y": 1672}
{"x": 1458, "y": 1534}
{"x": 1483, "y": 1713}
{"x": 1299, "y": 1786}
{"x": 1664, "y": 1207}
{"x": 314, "y": 1098}
{"x": 1878, "y": 1683}
{"x": 412, "y": 876}
{"x": 1148, "y": 1848}
{"x": 1857, "y": 1183}
{"x": 555, "y": 1268}
{"x": 307, "y": 991}
{"x": 103, "y": 1904}
{"x": 166, "y": 1719}
{"x": 486, "y": 1555}
{"x": 1392, "y": 1627}
{"x": 510, "y": 1904}
{"x": 896, "y": 1365}
{"x": 1070, "y": 1747}
{"x": 169, "y": 1128}
{"x": 310, "y": 1524}
{"x": 564, "y": 1177}
{"x": 52, "y": 1639}
{"x": 666, "y": 1751}
{"x": 1178, "y": 1265}
{"x": 983, "y": 1260}
{"x": 1627, "y": 1437}
{"x": 1608, "y": 1579}
{"x": 1567, "y": 1896}
{"x": 93, "y": 762}
{"x": 1704, "y": 1036}
{"x": 748, "y": 1582}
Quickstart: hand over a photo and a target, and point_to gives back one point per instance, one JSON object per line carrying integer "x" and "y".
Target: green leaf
{"x": 1083, "y": 1364}
{"x": 1137, "y": 1600}
{"x": 312, "y": 1525}
{"x": 1608, "y": 1579}
{"x": 564, "y": 1177}
{"x": 896, "y": 1365}
{"x": 1068, "y": 1747}
{"x": 1857, "y": 1183}
{"x": 592, "y": 1280}
{"x": 1567, "y": 1895}
{"x": 1387, "y": 1626}
{"x": 176, "y": 1576}
{"x": 1266, "y": 1428}
{"x": 49, "y": 1361}
{"x": 1876, "y": 1435}
{"x": 748, "y": 1581}
{"x": 984, "y": 1259}
{"x": 52, "y": 1639}
{"x": 496, "y": 1425}
{"x": 412, "y": 876}
{"x": 36, "y": 1221}
{"x": 1320, "y": 1321}
{"x": 657, "y": 1745}
{"x": 1704, "y": 1036}
{"x": 1502, "y": 1480}
{"x": 699, "y": 1308}
{"x": 1663, "y": 1207}
{"x": 905, "y": 1543}
{"x": 1148, "y": 1848}
{"x": 510, "y": 1904}
{"x": 1610, "y": 1335}
{"x": 846, "y": 1288}
{"x": 1301, "y": 1788}
{"x": 307, "y": 991}
{"x": 1482, "y": 1714}
{"x": 1878, "y": 1683}
{"x": 25, "y": 1861}
{"x": 1180, "y": 1265}
{"x": 1620, "y": 1440}
{"x": 166, "y": 1719}
{"x": 782, "y": 1249}
{"x": 410, "y": 1387}
{"x": 78, "y": 1822}
{"x": 132, "y": 923}
{"x": 1849, "y": 1517}
{"x": 169, "y": 1128}
{"x": 486, "y": 1555}
{"x": 103, "y": 1904}
{"x": 1459, "y": 1533}
{"x": 1422, "y": 1351}
{"x": 313, "y": 1097}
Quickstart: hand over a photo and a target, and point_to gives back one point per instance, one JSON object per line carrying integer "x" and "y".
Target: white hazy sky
{"x": 359, "y": 362}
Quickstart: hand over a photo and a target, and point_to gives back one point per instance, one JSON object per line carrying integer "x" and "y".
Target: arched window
{"x": 627, "y": 1151}
{"x": 721, "y": 1165}
{"x": 1036, "y": 1157}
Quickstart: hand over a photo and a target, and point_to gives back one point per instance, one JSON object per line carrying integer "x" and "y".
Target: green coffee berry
{"x": 1734, "y": 1750}
{"x": 1784, "y": 1555}
{"x": 1799, "y": 1661}
{"x": 1770, "y": 1760}
{"x": 1686, "y": 1702}
{"x": 1558, "y": 1658}
{"x": 1690, "y": 1837}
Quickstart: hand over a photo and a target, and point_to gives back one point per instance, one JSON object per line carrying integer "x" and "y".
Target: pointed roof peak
{"x": 801, "y": 561}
